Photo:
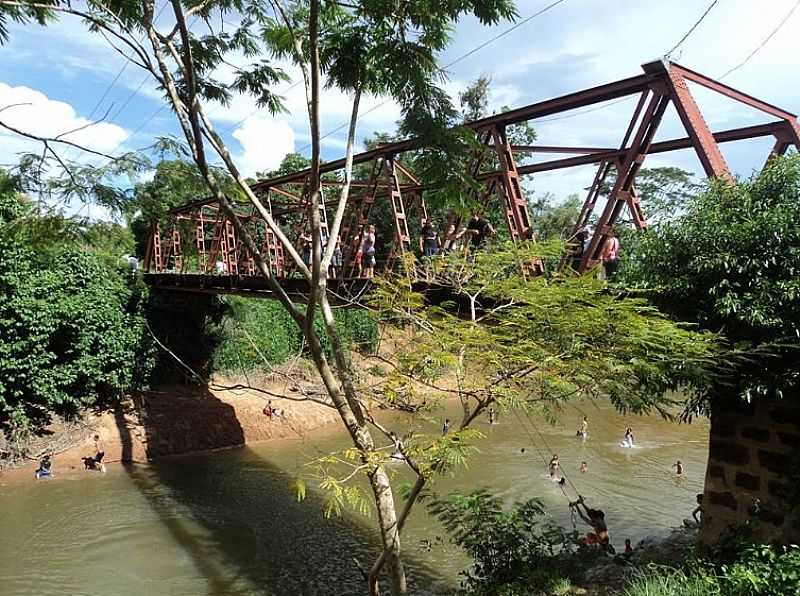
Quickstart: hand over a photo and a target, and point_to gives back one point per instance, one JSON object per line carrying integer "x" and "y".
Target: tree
{"x": 664, "y": 192}
{"x": 71, "y": 328}
{"x": 553, "y": 220}
{"x": 729, "y": 264}
{"x": 362, "y": 47}
{"x": 475, "y": 99}
{"x": 501, "y": 339}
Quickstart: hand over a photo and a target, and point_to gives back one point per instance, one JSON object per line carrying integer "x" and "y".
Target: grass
{"x": 670, "y": 582}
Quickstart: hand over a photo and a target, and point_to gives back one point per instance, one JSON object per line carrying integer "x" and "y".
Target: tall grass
{"x": 663, "y": 581}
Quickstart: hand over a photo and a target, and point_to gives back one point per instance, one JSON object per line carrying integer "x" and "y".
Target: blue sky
{"x": 64, "y": 71}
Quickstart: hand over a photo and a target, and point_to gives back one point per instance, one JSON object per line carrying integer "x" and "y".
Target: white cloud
{"x": 265, "y": 141}
{"x": 41, "y": 116}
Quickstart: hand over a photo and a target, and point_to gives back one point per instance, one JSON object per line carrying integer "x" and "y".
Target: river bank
{"x": 180, "y": 419}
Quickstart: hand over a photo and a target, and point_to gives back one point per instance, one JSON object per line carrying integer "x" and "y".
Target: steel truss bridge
{"x": 184, "y": 252}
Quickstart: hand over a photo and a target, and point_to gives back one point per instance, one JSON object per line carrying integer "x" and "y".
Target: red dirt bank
{"x": 181, "y": 419}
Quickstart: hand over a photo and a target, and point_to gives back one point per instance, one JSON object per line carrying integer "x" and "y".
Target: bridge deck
{"x": 346, "y": 292}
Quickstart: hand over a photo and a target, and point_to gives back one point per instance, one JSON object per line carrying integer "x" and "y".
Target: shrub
{"x": 257, "y": 332}
{"x": 71, "y": 334}
{"x": 514, "y": 552}
{"x": 664, "y": 581}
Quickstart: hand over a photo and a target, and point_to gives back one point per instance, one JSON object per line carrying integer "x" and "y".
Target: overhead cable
{"x": 766, "y": 40}
{"x": 690, "y": 31}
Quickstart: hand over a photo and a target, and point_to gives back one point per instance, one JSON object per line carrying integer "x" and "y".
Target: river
{"x": 227, "y": 523}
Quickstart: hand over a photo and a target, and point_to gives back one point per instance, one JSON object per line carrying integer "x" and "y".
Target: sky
{"x": 71, "y": 78}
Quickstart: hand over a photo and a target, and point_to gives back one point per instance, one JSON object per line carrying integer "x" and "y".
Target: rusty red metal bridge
{"x": 196, "y": 248}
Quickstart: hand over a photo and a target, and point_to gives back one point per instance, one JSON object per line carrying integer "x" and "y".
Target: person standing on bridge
{"x": 305, "y": 249}
{"x": 479, "y": 229}
{"x": 428, "y": 239}
{"x": 610, "y": 255}
{"x": 368, "y": 252}
{"x": 337, "y": 261}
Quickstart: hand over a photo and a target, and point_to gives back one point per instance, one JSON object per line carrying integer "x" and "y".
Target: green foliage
{"x": 71, "y": 332}
{"x": 758, "y": 570}
{"x": 536, "y": 342}
{"x": 731, "y": 264}
{"x": 762, "y": 570}
{"x": 664, "y": 581}
{"x": 256, "y": 333}
{"x": 514, "y": 550}
{"x": 555, "y": 220}
{"x": 260, "y": 333}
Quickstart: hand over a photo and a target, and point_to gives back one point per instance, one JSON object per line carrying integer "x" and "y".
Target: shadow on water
{"x": 236, "y": 517}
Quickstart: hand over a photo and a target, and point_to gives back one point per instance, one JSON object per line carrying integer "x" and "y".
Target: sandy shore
{"x": 182, "y": 419}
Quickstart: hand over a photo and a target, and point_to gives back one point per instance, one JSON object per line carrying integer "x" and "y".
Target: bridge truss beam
{"x": 202, "y": 227}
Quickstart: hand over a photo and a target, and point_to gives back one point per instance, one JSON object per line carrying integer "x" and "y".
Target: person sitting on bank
{"x": 428, "y": 239}
{"x": 45, "y": 468}
{"x": 597, "y": 520}
{"x": 479, "y": 230}
{"x": 268, "y": 410}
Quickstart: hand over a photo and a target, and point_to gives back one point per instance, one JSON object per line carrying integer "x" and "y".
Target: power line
{"x": 689, "y": 32}
{"x": 456, "y": 61}
{"x": 122, "y": 70}
{"x": 766, "y": 40}
{"x": 608, "y": 105}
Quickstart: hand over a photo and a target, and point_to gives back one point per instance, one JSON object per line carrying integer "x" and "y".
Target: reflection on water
{"x": 228, "y": 524}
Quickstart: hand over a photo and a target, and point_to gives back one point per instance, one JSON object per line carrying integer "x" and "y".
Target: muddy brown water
{"x": 227, "y": 523}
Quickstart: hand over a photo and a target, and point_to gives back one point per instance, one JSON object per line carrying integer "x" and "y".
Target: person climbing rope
{"x": 596, "y": 519}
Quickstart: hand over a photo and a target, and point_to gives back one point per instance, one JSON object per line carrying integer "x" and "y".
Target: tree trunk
{"x": 390, "y": 535}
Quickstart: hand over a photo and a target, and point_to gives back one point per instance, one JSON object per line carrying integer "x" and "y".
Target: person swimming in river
{"x": 596, "y": 519}
{"x": 45, "y": 468}
{"x": 628, "y": 440}
{"x": 583, "y": 429}
{"x": 553, "y": 466}
{"x": 584, "y": 467}
{"x": 492, "y": 416}
{"x": 678, "y": 468}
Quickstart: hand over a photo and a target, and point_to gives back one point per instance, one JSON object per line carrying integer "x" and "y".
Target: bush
{"x": 760, "y": 570}
{"x": 514, "y": 552}
{"x": 672, "y": 582}
{"x": 71, "y": 334}
{"x": 256, "y": 332}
